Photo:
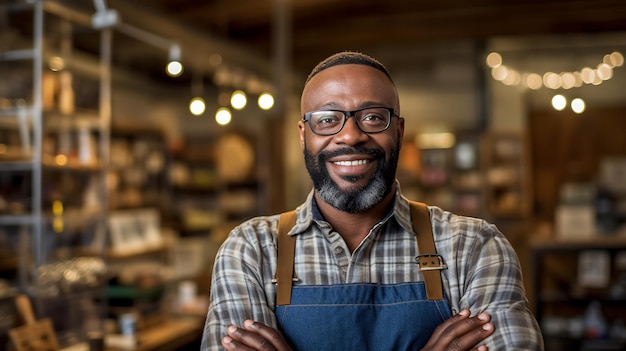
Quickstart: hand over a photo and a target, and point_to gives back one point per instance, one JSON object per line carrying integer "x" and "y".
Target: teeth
{"x": 351, "y": 163}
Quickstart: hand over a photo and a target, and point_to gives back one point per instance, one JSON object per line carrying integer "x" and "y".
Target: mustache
{"x": 376, "y": 152}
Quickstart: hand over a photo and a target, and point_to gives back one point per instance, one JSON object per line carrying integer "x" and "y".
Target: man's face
{"x": 351, "y": 170}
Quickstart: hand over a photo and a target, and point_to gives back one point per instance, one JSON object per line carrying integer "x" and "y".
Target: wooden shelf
{"x": 593, "y": 242}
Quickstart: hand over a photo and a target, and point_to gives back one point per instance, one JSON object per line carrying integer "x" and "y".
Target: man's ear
{"x": 301, "y": 127}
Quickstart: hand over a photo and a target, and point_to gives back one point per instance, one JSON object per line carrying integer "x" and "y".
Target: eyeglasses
{"x": 369, "y": 120}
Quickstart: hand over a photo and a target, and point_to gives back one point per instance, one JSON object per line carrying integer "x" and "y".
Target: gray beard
{"x": 356, "y": 198}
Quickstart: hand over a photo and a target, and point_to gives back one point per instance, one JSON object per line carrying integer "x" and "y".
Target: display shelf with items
{"x": 466, "y": 178}
{"x": 443, "y": 169}
{"x": 192, "y": 179}
{"x": 53, "y": 157}
{"x": 136, "y": 174}
{"x": 240, "y": 192}
{"x": 215, "y": 183}
{"x": 506, "y": 165}
{"x": 579, "y": 292}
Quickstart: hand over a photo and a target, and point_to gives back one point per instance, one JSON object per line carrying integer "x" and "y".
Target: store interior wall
{"x": 438, "y": 89}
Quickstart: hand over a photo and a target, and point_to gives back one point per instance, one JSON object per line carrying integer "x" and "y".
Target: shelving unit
{"x": 507, "y": 187}
{"x": 137, "y": 170}
{"x": 216, "y": 183}
{"x": 55, "y": 153}
{"x": 449, "y": 177}
{"x": 567, "y": 284}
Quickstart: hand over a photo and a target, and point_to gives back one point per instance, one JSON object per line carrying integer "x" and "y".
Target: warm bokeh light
{"x": 559, "y": 102}
{"x": 57, "y": 207}
{"x": 565, "y": 80}
{"x": 512, "y": 78}
{"x": 238, "y": 100}
{"x": 534, "y": 81}
{"x": 444, "y": 140}
{"x": 578, "y": 105}
{"x": 552, "y": 80}
{"x": 568, "y": 80}
{"x": 266, "y": 101}
{"x": 605, "y": 71}
{"x": 174, "y": 68}
{"x": 499, "y": 73}
{"x": 60, "y": 159}
{"x": 223, "y": 116}
{"x": 614, "y": 59}
{"x": 588, "y": 75}
{"x": 494, "y": 60}
{"x": 56, "y": 63}
{"x": 197, "y": 106}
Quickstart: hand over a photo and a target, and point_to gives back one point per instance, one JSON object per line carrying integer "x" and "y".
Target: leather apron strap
{"x": 429, "y": 262}
{"x": 286, "y": 250}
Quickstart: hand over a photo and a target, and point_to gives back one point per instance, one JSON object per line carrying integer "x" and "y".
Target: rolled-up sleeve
{"x": 239, "y": 287}
{"x": 489, "y": 279}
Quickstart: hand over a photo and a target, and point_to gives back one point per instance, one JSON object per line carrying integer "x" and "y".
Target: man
{"x": 360, "y": 275}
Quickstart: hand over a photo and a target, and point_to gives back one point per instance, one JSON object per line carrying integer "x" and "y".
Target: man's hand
{"x": 457, "y": 333}
{"x": 254, "y": 336}
{"x": 461, "y": 332}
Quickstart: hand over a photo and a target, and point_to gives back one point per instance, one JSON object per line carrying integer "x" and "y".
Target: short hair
{"x": 346, "y": 58}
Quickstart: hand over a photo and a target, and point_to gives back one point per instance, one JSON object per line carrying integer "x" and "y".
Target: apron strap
{"x": 429, "y": 262}
{"x": 285, "y": 273}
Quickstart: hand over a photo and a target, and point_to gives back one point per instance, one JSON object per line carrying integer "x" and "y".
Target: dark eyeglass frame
{"x": 348, "y": 114}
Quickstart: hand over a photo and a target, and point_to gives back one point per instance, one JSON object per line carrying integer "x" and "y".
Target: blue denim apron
{"x": 363, "y": 316}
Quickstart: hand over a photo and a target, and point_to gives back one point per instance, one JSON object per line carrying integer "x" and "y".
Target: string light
{"x": 552, "y": 80}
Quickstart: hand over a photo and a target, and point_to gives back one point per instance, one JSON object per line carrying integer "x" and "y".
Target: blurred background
{"x": 135, "y": 134}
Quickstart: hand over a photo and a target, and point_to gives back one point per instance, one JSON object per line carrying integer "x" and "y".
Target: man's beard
{"x": 354, "y": 199}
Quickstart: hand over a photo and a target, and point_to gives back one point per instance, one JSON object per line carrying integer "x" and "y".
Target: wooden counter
{"x": 171, "y": 334}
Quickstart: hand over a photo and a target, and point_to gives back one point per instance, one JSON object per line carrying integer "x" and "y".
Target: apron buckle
{"x": 294, "y": 279}
{"x": 430, "y": 262}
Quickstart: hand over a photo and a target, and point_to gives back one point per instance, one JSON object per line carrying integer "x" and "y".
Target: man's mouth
{"x": 352, "y": 163}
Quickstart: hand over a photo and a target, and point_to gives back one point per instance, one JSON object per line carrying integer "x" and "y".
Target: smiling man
{"x": 358, "y": 266}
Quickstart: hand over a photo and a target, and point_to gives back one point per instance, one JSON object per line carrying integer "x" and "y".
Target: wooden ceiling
{"x": 314, "y": 29}
{"x": 321, "y": 27}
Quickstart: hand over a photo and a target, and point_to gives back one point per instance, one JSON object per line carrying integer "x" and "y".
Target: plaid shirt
{"x": 483, "y": 271}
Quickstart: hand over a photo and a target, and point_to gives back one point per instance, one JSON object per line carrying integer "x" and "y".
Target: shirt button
{"x": 338, "y": 249}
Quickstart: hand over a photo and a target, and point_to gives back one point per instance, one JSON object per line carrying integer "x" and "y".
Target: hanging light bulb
{"x": 266, "y": 101}
{"x": 174, "y": 68}
{"x": 238, "y": 100}
{"x": 578, "y": 105}
{"x": 559, "y": 102}
{"x": 223, "y": 116}
{"x": 197, "y": 106}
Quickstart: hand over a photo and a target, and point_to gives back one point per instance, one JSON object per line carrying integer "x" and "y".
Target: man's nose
{"x": 351, "y": 133}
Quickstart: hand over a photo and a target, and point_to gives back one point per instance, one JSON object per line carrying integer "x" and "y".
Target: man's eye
{"x": 326, "y": 119}
{"x": 372, "y": 117}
